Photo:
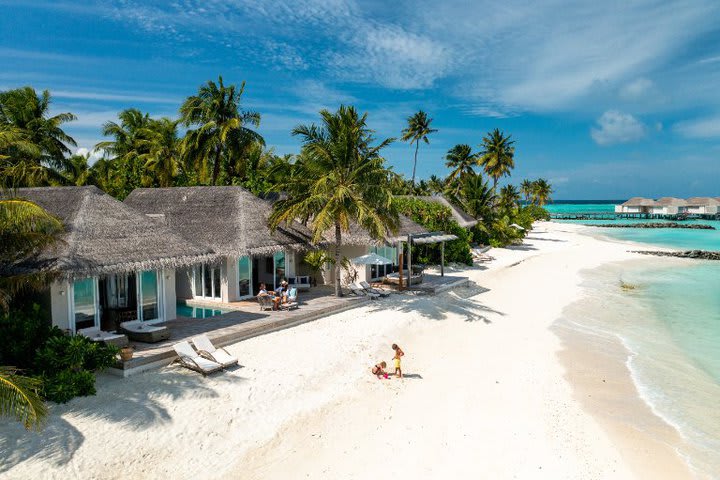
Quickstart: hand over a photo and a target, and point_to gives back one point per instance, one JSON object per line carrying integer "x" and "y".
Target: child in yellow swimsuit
{"x": 398, "y": 353}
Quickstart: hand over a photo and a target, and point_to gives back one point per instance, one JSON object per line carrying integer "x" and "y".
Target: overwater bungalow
{"x": 233, "y": 223}
{"x": 669, "y": 206}
{"x": 113, "y": 263}
{"x": 636, "y": 205}
{"x": 703, "y": 205}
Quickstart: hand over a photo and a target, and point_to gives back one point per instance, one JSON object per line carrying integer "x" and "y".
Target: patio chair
{"x": 140, "y": 332}
{"x": 292, "y": 301}
{"x": 189, "y": 358}
{"x": 370, "y": 289}
{"x": 356, "y": 290}
{"x": 207, "y": 349}
{"x": 265, "y": 302}
{"x": 97, "y": 335}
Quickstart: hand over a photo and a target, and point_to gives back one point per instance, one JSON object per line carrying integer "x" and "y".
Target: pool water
{"x": 184, "y": 310}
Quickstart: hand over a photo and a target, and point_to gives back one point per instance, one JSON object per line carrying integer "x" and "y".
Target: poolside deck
{"x": 246, "y": 321}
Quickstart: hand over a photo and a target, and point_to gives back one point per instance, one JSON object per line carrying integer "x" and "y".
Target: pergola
{"x": 422, "y": 239}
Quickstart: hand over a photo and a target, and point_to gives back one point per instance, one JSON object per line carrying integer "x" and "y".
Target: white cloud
{"x": 699, "y": 128}
{"x": 617, "y": 127}
{"x": 637, "y": 88}
{"x": 94, "y": 155}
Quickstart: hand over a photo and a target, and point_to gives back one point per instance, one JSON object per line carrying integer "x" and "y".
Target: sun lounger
{"x": 189, "y": 358}
{"x": 97, "y": 335}
{"x": 218, "y": 355}
{"x": 370, "y": 289}
{"x": 141, "y": 332}
{"x": 356, "y": 290}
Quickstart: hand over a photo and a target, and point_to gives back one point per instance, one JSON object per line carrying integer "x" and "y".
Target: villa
{"x": 233, "y": 223}
{"x": 703, "y": 205}
{"x": 113, "y": 263}
{"x": 669, "y": 206}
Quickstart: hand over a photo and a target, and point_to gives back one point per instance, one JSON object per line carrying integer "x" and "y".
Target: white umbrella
{"x": 370, "y": 259}
{"x": 515, "y": 225}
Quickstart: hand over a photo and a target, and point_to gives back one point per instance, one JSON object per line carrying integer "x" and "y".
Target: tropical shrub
{"x": 24, "y": 330}
{"x": 67, "y": 366}
{"x": 436, "y": 217}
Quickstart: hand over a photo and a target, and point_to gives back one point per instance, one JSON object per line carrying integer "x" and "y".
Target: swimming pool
{"x": 184, "y": 310}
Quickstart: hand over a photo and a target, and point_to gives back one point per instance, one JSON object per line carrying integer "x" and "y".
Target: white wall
{"x": 59, "y": 304}
{"x": 349, "y": 251}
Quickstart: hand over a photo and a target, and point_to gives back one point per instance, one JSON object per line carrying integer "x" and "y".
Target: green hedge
{"x": 435, "y": 217}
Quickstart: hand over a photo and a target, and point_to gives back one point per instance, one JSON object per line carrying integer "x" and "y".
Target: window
{"x": 149, "y": 295}
{"x": 206, "y": 281}
{"x": 85, "y": 303}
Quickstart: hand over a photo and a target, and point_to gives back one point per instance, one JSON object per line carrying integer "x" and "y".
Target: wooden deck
{"x": 246, "y": 321}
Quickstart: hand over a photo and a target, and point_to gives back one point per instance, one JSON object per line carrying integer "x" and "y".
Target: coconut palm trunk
{"x": 338, "y": 243}
{"x": 417, "y": 146}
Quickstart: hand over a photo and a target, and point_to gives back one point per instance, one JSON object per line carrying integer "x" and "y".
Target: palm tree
{"x": 509, "y": 197}
{"x": 526, "y": 188}
{"x": 222, "y": 127}
{"x": 542, "y": 191}
{"x": 341, "y": 179}
{"x": 497, "y": 155}
{"x": 19, "y": 398}
{"x": 35, "y": 143}
{"x": 25, "y": 230}
{"x": 76, "y": 170}
{"x": 127, "y": 148}
{"x": 162, "y": 154}
{"x": 418, "y": 129}
{"x": 461, "y": 160}
{"x": 436, "y": 184}
{"x": 477, "y": 198}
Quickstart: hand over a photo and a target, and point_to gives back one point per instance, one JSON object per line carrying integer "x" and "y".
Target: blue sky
{"x": 605, "y": 99}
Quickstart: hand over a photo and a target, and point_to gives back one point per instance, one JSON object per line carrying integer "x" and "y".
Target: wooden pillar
{"x": 400, "y": 262}
{"x": 442, "y": 259}
{"x": 409, "y": 257}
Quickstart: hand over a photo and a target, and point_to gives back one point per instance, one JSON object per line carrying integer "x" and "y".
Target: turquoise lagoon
{"x": 670, "y": 322}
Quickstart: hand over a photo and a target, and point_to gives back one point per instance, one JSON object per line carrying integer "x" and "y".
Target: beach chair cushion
{"x": 220, "y": 355}
{"x": 97, "y": 335}
{"x": 362, "y": 293}
{"x": 369, "y": 288}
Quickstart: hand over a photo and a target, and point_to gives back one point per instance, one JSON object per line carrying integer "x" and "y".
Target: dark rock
{"x": 699, "y": 254}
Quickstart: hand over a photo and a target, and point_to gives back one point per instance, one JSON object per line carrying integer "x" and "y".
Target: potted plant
{"x": 126, "y": 353}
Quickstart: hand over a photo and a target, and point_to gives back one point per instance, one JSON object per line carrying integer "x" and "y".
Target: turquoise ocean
{"x": 669, "y": 321}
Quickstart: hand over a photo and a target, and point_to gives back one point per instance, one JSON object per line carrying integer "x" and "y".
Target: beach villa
{"x": 114, "y": 264}
{"x": 233, "y": 223}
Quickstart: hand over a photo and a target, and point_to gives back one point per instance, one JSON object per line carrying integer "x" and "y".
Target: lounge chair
{"x": 97, "y": 335}
{"x": 292, "y": 301}
{"x": 141, "y": 332}
{"x": 189, "y": 358}
{"x": 265, "y": 302}
{"x": 208, "y": 350}
{"x": 356, "y": 290}
{"x": 370, "y": 289}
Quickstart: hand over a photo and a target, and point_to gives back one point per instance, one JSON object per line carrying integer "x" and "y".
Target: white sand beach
{"x": 490, "y": 391}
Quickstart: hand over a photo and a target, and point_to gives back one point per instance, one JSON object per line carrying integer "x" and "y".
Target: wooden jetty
{"x": 635, "y": 216}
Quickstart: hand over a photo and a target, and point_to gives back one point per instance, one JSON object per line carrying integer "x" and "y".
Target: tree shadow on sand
{"x": 135, "y": 403}
{"x": 458, "y": 302}
{"x": 55, "y": 444}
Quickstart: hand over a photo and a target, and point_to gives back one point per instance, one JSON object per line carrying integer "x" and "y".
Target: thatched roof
{"x": 105, "y": 236}
{"x": 229, "y": 220}
{"x": 460, "y": 216}
{"x": 640, "y": 202}
{"x": 702, "y": 201}
{"x": 359, "y": 236}
{"x": 671, "y": 201}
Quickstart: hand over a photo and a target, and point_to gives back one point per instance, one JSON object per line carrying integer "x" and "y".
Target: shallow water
{"x": 668, "y": 316}
{"x": 674, "y": 336}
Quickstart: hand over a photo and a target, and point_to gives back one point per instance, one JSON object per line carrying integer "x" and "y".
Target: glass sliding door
{"x": 279, "y": 260}
{"x": 245, "y": 277}
{"x": 206, "y": 281}
{"x": 85, "y": 311}
{"x": 149, "y": 296}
